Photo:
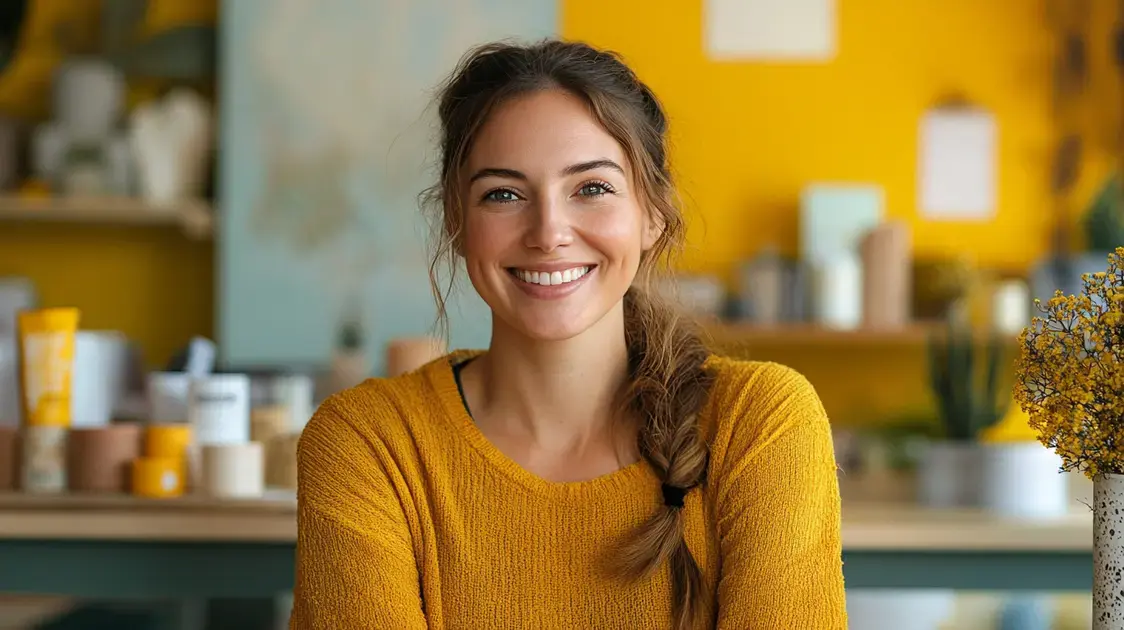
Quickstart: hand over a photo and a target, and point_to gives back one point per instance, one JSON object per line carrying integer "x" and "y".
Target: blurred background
{"x": 225, "y": 194}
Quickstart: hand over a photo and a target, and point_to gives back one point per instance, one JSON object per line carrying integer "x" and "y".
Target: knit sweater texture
{"x": 410, "y": 519}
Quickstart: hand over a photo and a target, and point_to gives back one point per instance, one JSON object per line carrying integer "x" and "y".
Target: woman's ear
{"x": 653, "y": 230}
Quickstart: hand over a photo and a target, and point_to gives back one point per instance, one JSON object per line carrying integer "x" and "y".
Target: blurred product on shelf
{"x": 165, "y": 465}
{"x": 837, "y": 292}
{"x": 9, "y": 458}
{"x": 834, "y": 218}
{"x": 969, "y": 399}
{"x": 886, "y": 270}
{"x": 171, "y": 142}
{"x": 218, "y": 408}
{"x": 1022, "y": 480}
{"x": 101, "y": 363}
{"x": 81, "y": 151}
{"x": 167, "y": 396}
{"x": 410, "y": 353}
{"x": 99, "y": 459}
{"x": 349, "y": 365}
{"x": 16, "y": 294}
{"x": 167, "y": 440}
{"x": 46, "y": 351}
{"x": 698, "y": 295}
{"x": 197, "y": 358}
{"x": 771, "y": 289}
{"x": 46, "y": 360}
{"x": 43, "y": 459}
{"x": 295, "y": 393}
{"x": 158, "y": 477}
{"x": 1011, "y": 306}
{"x": 268, "y": 422}
{"x": 281, "y": 462}
{"x": 233, "y": 471}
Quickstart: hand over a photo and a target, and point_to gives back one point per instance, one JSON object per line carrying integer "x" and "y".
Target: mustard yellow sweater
{"x": 410, "y": 518}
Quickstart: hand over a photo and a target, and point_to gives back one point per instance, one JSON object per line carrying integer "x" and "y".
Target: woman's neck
{"x": 557, "y": 394}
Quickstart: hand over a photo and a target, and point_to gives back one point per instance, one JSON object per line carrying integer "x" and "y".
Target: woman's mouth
{"x": 551, "y": 278}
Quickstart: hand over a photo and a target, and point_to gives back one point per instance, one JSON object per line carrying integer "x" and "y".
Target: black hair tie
{"x": 672, "y": 496}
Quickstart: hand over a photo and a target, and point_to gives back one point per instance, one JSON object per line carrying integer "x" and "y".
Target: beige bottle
{"x": 350, "y": 365}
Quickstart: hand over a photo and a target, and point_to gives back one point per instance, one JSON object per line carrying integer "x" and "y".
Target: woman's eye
{"x": 501, "y": 196}
{"x": 594, "y": 189}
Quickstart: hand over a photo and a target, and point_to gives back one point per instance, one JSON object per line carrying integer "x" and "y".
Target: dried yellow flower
{"x": 1071, "y": 372}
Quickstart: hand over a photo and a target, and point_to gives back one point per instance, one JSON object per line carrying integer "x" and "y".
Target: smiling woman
{"x": 595, "y": 467}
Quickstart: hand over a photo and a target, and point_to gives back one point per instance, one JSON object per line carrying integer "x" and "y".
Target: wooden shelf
{"x": 867, "y": 526}
{"x": 734, "y": 335}
{"x": 194, "y": 217}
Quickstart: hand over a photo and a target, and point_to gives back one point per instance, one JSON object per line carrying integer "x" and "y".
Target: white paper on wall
{"x": 957, "y": 164}
{"x": 770, "y": 30}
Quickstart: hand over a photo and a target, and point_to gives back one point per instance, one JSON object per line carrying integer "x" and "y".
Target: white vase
{"x": 948, "y": 474}
{"x": 1108, "y": 552}
{"x": 1022, "y": 480}
{"x": 838, "y": 292}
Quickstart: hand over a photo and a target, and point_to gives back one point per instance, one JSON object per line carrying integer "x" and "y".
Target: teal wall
{"x": 327, "y": 139}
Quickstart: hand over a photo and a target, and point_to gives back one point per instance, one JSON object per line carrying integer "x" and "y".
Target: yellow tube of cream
{"x": 46, "y": 350}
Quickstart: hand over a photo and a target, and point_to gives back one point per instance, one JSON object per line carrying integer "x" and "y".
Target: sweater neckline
{"x": 440, "y": 375}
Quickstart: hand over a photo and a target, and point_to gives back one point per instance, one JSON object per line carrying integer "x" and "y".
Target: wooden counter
{"x": 122, "y": 517}
{"x": 902, "y": 527}
{"x": 867, "y": 526}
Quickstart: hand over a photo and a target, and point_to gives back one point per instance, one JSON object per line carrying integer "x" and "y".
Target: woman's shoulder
{"x": 379, "y": 410}
{"x": 759, "y": 397}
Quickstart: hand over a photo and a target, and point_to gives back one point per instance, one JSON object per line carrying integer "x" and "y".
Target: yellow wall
{"x": 748, "y": 137}
{"x": 151, "y": 283}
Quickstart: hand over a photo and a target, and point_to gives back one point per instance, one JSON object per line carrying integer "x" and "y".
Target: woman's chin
{"x": 550, "y": 333}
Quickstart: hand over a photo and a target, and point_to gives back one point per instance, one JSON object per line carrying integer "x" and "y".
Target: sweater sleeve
{"x": 355, "y": 565}
{"x": 778, "y": 508}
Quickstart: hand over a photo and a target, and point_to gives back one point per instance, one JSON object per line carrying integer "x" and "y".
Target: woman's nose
{"x": 549, "y": 226}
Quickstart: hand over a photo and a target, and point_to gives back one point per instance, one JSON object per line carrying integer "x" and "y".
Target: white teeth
{"x": 547, "y": 279}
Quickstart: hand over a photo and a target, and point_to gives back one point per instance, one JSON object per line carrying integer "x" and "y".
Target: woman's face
{"x": 553, "y": 227}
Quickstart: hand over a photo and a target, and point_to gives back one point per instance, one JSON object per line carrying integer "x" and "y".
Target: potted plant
{"x": 1071, "y": 384}
{"x": 968, "y": 402}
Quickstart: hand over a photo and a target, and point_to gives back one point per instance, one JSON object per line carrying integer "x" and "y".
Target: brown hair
{"x": 667, "y": 384}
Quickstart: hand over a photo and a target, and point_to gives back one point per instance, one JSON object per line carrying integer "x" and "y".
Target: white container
{"x": 233, "y": 471}
{"x": 218, "y": 409}
{"x": 98, "y": 377}
{"x": 1023, "y": 480}
{"x": 1011, "y": 307}
{"x": 1108, "y": 551}
{"x": 948, "y": 474}
{"x": 167, "y": 397}
{"x": 295, "y": 392}
{"x": 838, "y": 292}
